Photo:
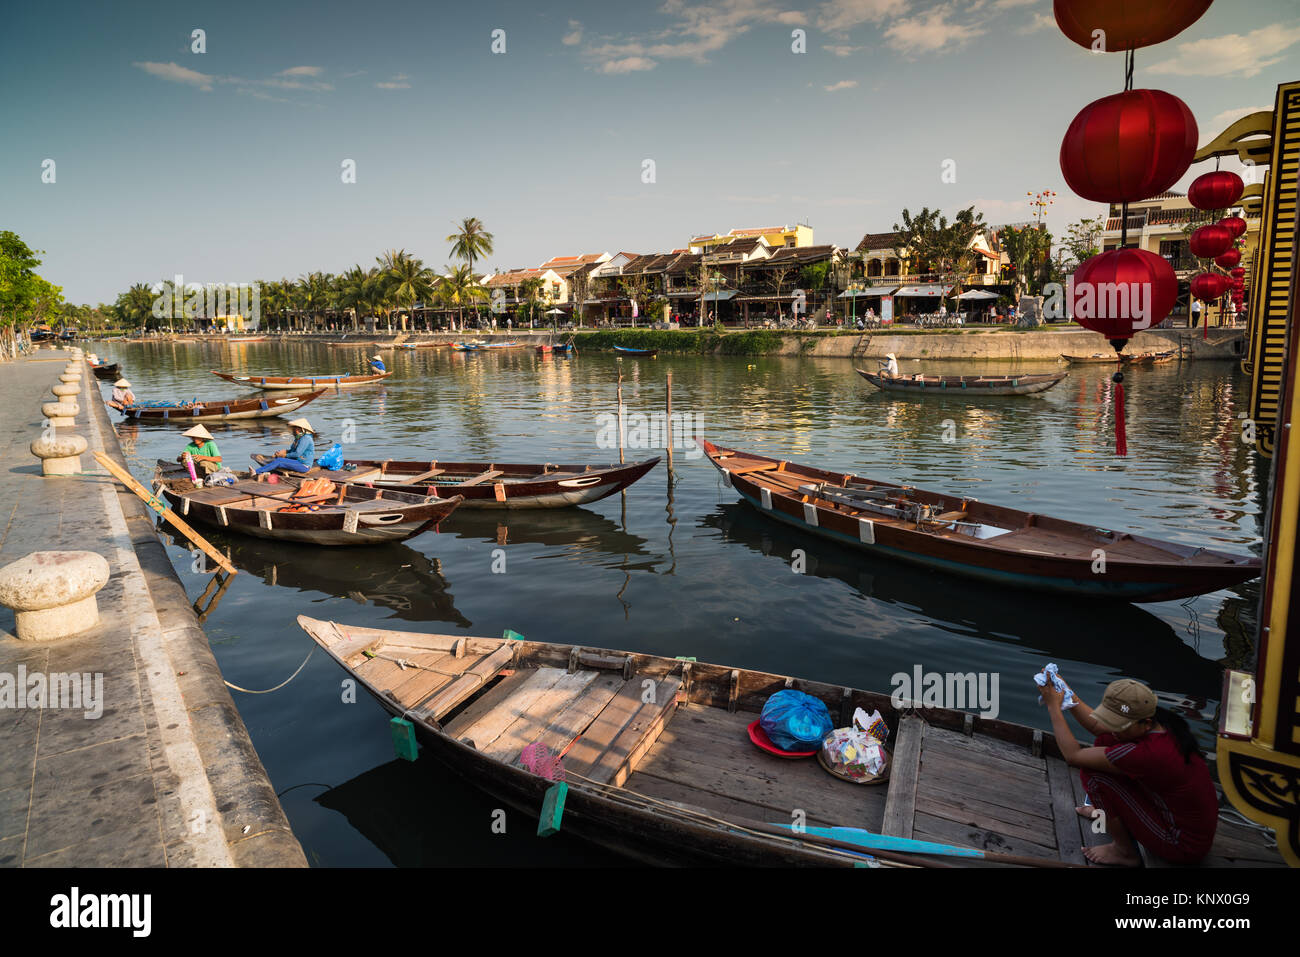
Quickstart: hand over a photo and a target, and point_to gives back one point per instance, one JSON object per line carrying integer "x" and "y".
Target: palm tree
{"x": 459, "y": 288}
{"x": 531, "y": 293}
{"x": 313, "y": 290}
{"x": 352, "y": 293}
{"x": 471, "y": 242}
{"x": 136, "y": 304}
{"x": 377, "y": 290}
{"x": 412, "y": 281}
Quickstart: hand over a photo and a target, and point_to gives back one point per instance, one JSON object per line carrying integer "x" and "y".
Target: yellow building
{"x": 775, "y": 237}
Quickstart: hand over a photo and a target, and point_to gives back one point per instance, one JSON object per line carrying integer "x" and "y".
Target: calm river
{"x": 680, "y": 567}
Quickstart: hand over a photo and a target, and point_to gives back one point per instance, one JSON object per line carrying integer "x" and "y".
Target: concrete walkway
{"x": 166, "y": 775}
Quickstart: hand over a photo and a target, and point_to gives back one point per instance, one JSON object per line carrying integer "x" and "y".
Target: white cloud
{"x": 301, "y": 71}
{"x": 841, "y": 49}
{"x": 175, "y": 73}
{"x": 1011, "y": 4}
{"x": 842, "y": 85}
{"x": 1225, "y": 119}
{"x": 574, "y": 36}
{"x": 844, "y": 14}
{"x": 398, "y": 82}
{"x": 631, "y": 64}
{"x": 930, "y": 32}
{"x": 1040, "y": 21}
{"x": 1231, "y": 54}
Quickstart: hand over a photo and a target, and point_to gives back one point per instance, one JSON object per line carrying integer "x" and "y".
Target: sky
{"x": 227, "y": 165}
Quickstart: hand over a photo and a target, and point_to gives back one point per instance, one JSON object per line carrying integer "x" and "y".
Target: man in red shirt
{"x": 1144, "y": 771}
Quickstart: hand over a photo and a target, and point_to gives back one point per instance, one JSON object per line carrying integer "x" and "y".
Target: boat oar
{"x": 891, "y": 848}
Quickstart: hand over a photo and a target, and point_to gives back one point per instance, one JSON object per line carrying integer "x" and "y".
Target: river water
{"x": 680, "y": 567}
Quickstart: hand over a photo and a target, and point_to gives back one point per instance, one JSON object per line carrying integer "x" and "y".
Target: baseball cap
{"x": 1124, "y": 702}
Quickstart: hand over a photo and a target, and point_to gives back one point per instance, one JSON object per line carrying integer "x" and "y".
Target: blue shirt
{"x": 303, "y": 449}
{"x": 378, "y": 365}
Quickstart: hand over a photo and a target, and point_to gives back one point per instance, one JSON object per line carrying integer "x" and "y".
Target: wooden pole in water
{"x": 670, "y": 421}
{"x": 620, "y": 416}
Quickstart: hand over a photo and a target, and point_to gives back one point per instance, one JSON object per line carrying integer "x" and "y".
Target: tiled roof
{"x": 878, "y": 241}
{"x": 795, "y": 256}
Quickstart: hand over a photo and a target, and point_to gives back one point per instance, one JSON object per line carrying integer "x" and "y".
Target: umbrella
{"x": 555, "y": 312}
{"x": 978, "y": 294}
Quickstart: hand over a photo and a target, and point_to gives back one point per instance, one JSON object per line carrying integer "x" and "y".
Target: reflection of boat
{"x": 247, "y": 339}
{"x": 502, "y": 485}
{"x": 301, "y": 382}
{"x": 967, "y": 609}
{"x": 355, "y": 515}
{"x": 656, "y": 762}
{"x": 393, "y": 576}
{"x": 964, "y": 385}
{"x": 991, "y": 543}
{"x": 567, "y": 533}
{"x": 222, "y": 410}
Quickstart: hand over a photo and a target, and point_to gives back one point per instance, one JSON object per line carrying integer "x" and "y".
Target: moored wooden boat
{"x": 964, "y": 384}
{"x": 103, "y": 371}
{"x": 350, "y": 515}
{"x": 962, "y": 536}
{"x": 247, "y": 339}
{"x": 494, "y": 484}
{"x": 1094, "y": 359}
{"x": 561, "y": 348}
{"x": 627, "y": 351}
{"x": 657, "y": 764}
{"x": 270, "y": 382}
{"x": 222, "y": 410}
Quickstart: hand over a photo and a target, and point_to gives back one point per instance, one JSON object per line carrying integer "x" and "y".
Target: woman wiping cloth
{"x": 1144, "y": 772}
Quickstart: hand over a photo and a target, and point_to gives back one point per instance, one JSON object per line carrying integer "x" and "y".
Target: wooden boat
{"x": 657, "y": 763}
{"x": 1160, "y": 358}
{"x": 223, "y": 410}
{"x": 494, "y": 484}
{"x": 1095, "y": 358}
{"x": 559, "y": 349}
{"x": 247, "y": 339}
{"x": 352, "y": 515}
{"x": 1138, "y": 358}
{"x": 647, "y": 353}
{"x": 963, "y": 536}
{"x": 105, "y": 371}
{"x": 964, "y": 384}
{"x": 270, "y": 382}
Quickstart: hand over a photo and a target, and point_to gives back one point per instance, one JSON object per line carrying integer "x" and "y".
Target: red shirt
{"x": 1184, "y": 787}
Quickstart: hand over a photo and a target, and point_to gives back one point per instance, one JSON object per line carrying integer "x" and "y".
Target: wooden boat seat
{"x": 423, "y": 476}
{"x": 481, "y": 477}
{"x": 623, "y": 731}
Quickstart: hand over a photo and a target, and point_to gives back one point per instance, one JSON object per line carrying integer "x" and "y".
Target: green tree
{"x": 471, "y": 241}
{"x": 1082, "y": 241}
{"x": 1029, "y": 249}
{"x": 412, "y": 282}
{"x": 459, "y": 288}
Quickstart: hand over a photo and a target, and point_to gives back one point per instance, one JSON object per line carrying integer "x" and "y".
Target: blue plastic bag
{"x": 796, "y": 721}
{"x": 333, "y": 459}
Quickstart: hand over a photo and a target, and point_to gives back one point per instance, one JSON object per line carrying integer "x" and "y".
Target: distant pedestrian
{"x": 1196, "y": 313}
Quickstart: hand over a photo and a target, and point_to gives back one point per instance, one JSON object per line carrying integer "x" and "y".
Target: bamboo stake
{"x": 620, "y": 416}
{"x": 162, "y": 509}
{"x": 670, "y": 421}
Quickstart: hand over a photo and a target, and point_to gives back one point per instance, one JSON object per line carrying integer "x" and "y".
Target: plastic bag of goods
{"x": 795, "y": 721}
{"x": 333, "y": 459}
{"x": 853, "y": 755}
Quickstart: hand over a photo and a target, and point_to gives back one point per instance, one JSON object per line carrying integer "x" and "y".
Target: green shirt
{"x": 208, "y": 448}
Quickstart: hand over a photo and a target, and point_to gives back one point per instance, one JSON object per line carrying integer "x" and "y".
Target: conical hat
{"x": 198, "y": 432}
{"x": 380, "y": 358}
{"x": 121, "y": 384}
{"x": 302, "y": 424}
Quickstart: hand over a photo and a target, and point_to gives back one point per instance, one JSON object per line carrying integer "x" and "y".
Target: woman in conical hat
{"x": 377, "y": 364}
{"x": 122, "y": 395}
{"x": 299, "y": 456}
{"x": 203, "y": 450}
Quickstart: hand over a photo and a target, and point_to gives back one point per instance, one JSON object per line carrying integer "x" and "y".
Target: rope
{"x": 280, "y": 685}
{"x": 405, "y": 663}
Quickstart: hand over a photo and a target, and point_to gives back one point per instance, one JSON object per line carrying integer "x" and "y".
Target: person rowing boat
{"x": 299, "y": 456}
{"x": 890, "y": 368}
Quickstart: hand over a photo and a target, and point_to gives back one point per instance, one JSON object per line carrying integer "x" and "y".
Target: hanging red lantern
{"x": 1210, "y": 241}
{"x": 1238, "y": 273}
{"x": 1209, "y": 286}
{"x": 1128, "y": 146}
{"x": 1229, "y": 258}
{"x": 1235, "y": 225}
{"x": 1215, "y": 190}
{"x": 1125, "y": 24}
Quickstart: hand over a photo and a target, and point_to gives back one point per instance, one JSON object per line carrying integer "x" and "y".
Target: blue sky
{"x": 225, "y": 166}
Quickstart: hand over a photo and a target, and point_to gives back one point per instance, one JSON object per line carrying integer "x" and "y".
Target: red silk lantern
{"x": 1122, "y": 291}
{"x": 1229, "y": 258}
{"x": 1209, "y": 286}
{"x": 1238, "y": 273}
{"x": 1126, "y": 24}
{"x": 1128, "y": 146}
{"x": 1210, "y": 241}
{"x": 1216, "y": 190}
{"x": 1235, "y": 225}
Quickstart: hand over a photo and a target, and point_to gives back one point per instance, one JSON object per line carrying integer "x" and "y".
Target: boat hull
{"x": 965, "y": 386}
{"x": 301, "y": 383}
{"x": 224, "y": 410}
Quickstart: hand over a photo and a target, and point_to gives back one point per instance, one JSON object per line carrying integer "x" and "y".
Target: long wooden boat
{"x": 271, "y": 382}
{"x": 493, "y": 484}
{"x": 1095, "y": 359}
{"x": 352, "y": 515}
{"x": 627, "y": 351}
{"x": 105, "y": 371}
{"x": 1137, "y": 358}
{"x": 657, "y": 764}
{"x": 963, "y": 536}
{"x": 563, "y": 348}
{"x": 247, "y": 339}
{"x": 964, "y": 384}
{"x": 223, "y": 410}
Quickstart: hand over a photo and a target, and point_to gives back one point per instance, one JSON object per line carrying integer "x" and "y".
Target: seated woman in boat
{"x": 122, "y": 395}
{"x": 203, "y": 450}
{"x": 377, "y": 364}
{"x": 1144, "y": 772}
{"x": 890, "y": 367}
{"x": 299, "y": 456}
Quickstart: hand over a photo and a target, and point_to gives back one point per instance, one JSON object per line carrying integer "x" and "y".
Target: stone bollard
{"x": 66, "y": 389}
{"x": 59, "y": 455}
{"x": 70, "y": 377}
{"x": 60, "y": 414}
{"x": 53, "y": 593}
